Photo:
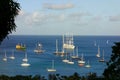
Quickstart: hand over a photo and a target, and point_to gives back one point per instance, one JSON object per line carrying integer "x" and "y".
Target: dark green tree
{"x": 8, "y": 11}
{"x": 112, "y": 72}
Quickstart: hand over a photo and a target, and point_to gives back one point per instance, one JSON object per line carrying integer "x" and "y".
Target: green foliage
{"x": 8, "y": 11}
{"x": 75, "y": 76}
{"x": 113, "y": 70}
{"x": 22, "y": 77}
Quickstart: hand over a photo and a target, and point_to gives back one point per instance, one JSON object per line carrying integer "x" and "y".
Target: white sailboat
{"x": 25, "y": 61}
{"x": 12, "y": 56}
{"x": 65, "y": 60}
{"x": 51, "y": 69}
{"x": 81, "y": 61}
{"x": 87, "y": 65}
{"x": 5, "y": 57}
{"x": 38, "y": 48}
{"x": 75, "y": 56}
{"x": 70, "y": 60}
{"x": 102, "y": 60}
{"x": 98, "y": 54}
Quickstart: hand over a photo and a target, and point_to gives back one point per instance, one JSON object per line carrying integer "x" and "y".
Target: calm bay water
{"x": 40, "y": 62}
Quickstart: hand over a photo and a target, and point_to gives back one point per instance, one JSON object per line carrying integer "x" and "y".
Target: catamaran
{"x": 51, "y": 69}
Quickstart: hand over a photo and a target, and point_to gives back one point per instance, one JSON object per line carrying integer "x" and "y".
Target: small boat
{"x": 12, "y": 57}
{"x": 81, "y": 61}
{"x": 51, "y": 69}
{"x": 20, "y": 47}
{"x": 98, "y": 54}
{"x": 87, "y": 65}
{"x": 5, "y": 57}
{"x": 102, "y": 60}
{"x": 39, "y": 48}
{"x": 70, "y": 61}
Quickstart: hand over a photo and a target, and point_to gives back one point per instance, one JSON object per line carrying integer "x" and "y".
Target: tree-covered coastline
{"x": 75, "y": 76}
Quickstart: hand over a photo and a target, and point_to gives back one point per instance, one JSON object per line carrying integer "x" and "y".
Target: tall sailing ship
{"x": 68, "y": 42}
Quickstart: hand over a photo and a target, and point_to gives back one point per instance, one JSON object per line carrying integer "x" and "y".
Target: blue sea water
{"x": 40, "y": 62}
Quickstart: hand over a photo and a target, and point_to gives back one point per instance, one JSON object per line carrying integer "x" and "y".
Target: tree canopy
{"x": 113, "y": 70}
{"x": 9, "y": 9}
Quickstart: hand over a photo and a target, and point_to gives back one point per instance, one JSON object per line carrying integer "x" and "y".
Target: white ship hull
{"x": 38, "y": 51}
{"x": 70, "y": 62}
{"x": 12, "y": 57}
{"x": 81, "y": 62}
{"x": 51, "y": 70}
{"x": 87, "y": 66}
{"x": 25, "y": 59}
{"x": 25, "y": 64}
{"x": 68, "y": 46}
{"x": 65, "y": 60}
{"x": 4, "y": 59}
